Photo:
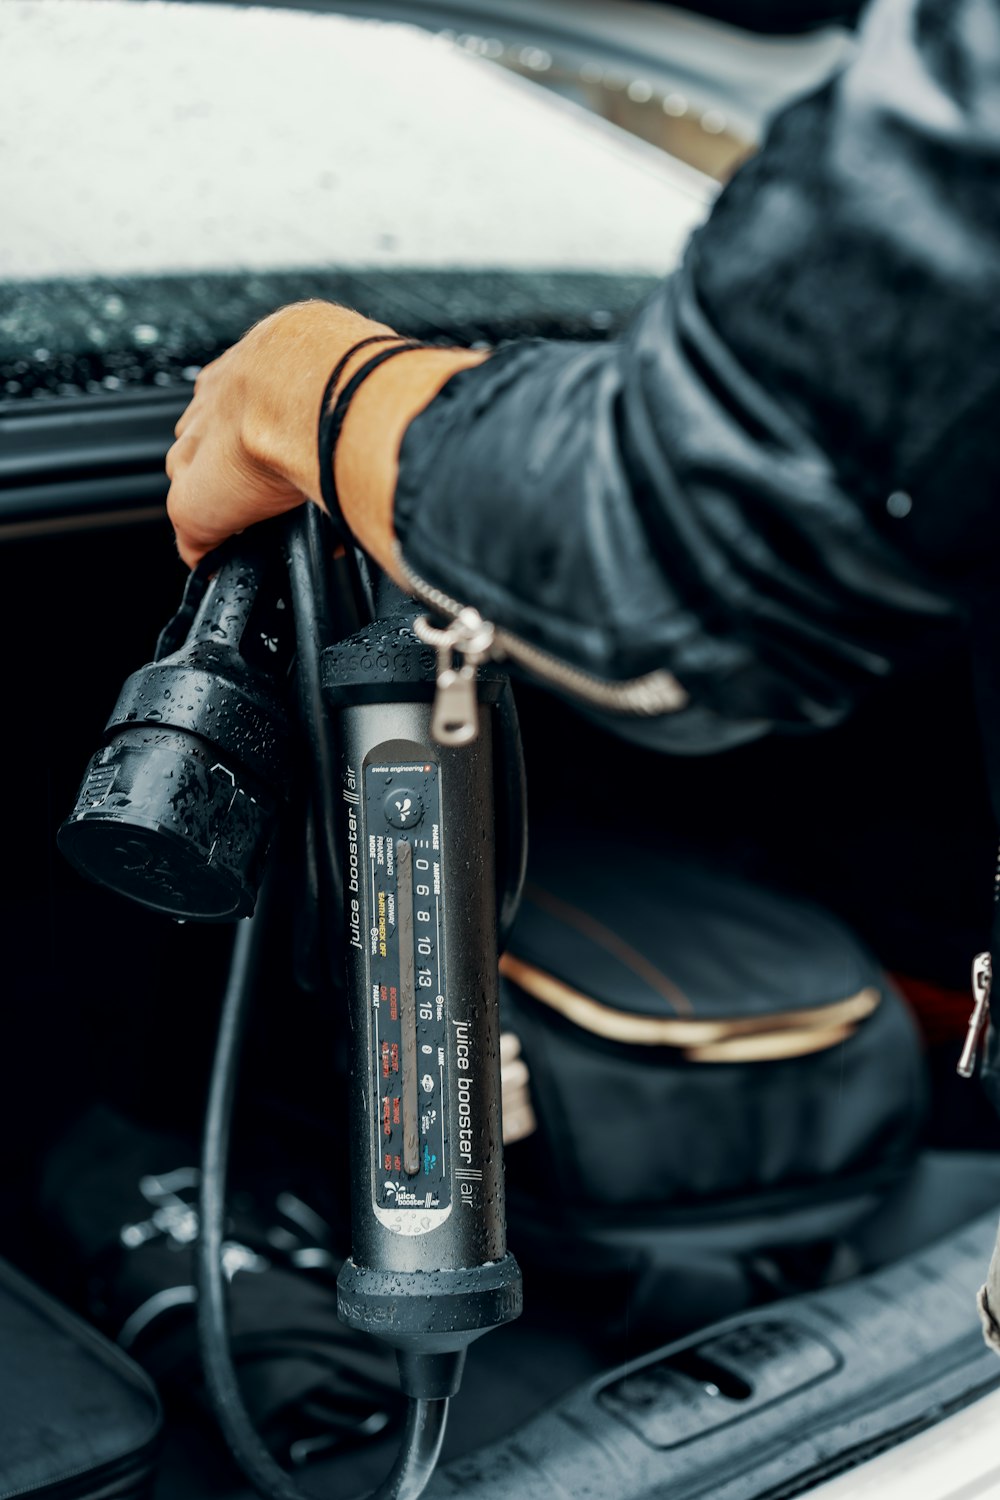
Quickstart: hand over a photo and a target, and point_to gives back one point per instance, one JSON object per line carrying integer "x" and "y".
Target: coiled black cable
{"x": 425, "y": 1423}
{"x": 321, "y": 615}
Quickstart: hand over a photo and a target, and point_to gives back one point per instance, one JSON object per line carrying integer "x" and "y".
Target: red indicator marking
{"x": 381, "y": 996}
{"x": 393, "y": 1003}
{"x": 386, "y": 1122}
{"x": 385, "y": 1059}
{"x": 395, "y": 1163}
{"x": 395, "y": 1111}
{"x": 387, "y": 1162}
{"x": 393, "y": 1057}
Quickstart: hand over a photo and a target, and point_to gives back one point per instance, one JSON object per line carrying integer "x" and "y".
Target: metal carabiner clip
{"x": 982, "y": 982}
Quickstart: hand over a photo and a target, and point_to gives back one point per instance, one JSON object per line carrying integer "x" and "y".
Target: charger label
{"x": 397, "y": 862}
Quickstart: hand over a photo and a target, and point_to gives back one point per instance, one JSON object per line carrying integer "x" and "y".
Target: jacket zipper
{"x": 473, "y": 641}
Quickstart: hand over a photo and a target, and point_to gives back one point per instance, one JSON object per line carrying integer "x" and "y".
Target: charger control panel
{"x": 399, "y": 852}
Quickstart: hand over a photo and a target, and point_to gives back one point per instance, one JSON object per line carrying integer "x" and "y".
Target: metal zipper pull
{"x": 455, "y": 715}
{"x": 982, "y": 981}
{"x": 656, "y": 692}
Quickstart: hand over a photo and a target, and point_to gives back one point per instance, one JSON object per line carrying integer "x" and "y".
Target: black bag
{"x": 77, "y": 1417}
{"x": 122, "y": 1206}
{"x": 723, "y": 1081}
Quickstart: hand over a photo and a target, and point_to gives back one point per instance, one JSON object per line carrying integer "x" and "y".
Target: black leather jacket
{"x": 784, "y": 482}
{"x": 781, "y": 484}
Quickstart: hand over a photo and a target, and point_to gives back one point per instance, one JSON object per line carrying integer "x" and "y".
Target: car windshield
{"x": 162, "y": 199}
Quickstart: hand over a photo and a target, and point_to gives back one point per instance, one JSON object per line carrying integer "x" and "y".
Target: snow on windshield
{"x": 151, "y": 138}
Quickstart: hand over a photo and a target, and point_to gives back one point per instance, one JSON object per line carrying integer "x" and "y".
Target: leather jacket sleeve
{"x": 780, "y": 482}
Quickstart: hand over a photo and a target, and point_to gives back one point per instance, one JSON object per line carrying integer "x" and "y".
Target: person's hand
{"x": 245, "y": 447}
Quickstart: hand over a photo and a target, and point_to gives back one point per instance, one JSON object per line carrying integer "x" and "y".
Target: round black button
{"x": 403, "y": 807}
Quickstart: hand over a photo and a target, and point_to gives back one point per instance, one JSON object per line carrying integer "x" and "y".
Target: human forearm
{"x": 367, "y": 454}
{"x": 246, "y": 445}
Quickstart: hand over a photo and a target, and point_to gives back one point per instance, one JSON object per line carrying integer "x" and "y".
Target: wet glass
{"x": 208, "y": 164}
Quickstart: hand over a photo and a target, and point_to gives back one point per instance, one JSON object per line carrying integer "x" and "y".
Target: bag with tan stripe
{"x": 704, "y": 1080}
